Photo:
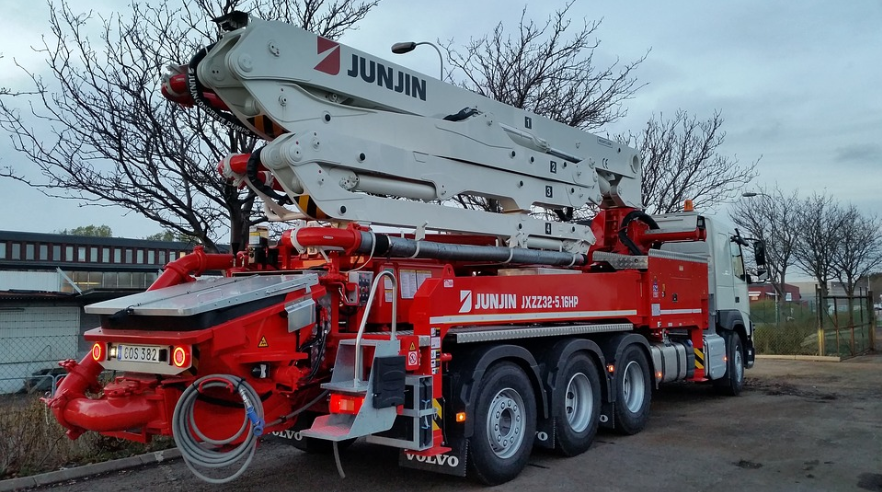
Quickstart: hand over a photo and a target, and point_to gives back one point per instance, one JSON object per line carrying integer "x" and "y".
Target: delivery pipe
{"x": 363, "y": 242}
{"x": 194, "y": 263}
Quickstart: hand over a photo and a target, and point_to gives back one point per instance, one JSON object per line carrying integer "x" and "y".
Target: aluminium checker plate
{"x": 203, "y": 295}
{"x": 475, "y": 334}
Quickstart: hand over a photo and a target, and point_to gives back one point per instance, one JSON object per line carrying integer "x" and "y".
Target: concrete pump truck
{"x": 466, "y": 341}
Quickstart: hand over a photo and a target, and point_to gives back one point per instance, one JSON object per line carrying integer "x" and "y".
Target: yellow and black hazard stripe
{"x": 699, "y": 358}
{"x": 266, "y": 126}
{"x": 437, "y": 421}
{"x": 308, "y": 206}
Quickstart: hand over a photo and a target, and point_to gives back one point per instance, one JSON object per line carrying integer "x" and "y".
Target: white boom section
{"x": 354, "y": 127}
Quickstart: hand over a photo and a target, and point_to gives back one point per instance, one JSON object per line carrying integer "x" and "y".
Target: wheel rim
{"x": 579, "y": 402}
{"x": 739, "y": 365}
{"x": 633, "y": 387}
{"x": 506, "y": 423}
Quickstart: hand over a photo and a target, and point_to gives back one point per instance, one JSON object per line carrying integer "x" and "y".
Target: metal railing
{"x": 370, "y": 302}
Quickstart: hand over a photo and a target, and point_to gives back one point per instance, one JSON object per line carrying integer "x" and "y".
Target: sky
{"x": 798, "y": 83}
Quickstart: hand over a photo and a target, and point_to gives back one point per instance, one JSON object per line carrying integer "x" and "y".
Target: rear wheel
{"x": 578, "y": 406}
{"x": 633, "y": 391}
{"x": 505, "y": 425}
{"x": 732, "y": 383}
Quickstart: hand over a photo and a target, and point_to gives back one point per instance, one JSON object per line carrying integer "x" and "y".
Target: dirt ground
{"x": 798, "y": 426}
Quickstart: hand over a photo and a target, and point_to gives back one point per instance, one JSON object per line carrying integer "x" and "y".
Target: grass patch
{"x": 32, "y": 441}
{"x": 789, "y": 338}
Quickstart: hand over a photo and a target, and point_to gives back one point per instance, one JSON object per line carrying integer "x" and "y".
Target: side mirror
{"x": 759, "y": 253}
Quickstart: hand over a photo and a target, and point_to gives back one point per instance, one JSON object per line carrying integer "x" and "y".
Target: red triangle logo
{"x": 331, "y": 63}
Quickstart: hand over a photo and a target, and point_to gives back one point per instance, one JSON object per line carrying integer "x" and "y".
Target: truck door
{"x": 724, "y": 269}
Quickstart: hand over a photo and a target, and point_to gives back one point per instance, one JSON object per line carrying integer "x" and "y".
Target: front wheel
{"x": 732, "y": 383}
{"x": 505, "y": 425}
{"x": 633, "y": 391}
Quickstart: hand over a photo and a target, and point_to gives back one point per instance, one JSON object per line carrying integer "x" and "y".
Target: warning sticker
{"x": 263, "y": 343}
{"x": 408, "y": 280}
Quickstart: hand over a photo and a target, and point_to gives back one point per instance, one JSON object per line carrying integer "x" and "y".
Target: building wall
{"x": 767, "y": 292}
{"x": 30, "y": 281}
{"x": 34, "y": 338}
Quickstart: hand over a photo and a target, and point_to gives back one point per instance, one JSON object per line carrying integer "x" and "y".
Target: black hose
{"x": 197, "y": 90}
{"x": 251, "y": 173}
{"x": 623, "y": 231}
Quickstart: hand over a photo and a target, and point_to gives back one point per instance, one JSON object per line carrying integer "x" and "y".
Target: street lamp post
{"x": 751, "y": 194}
{"x": 408, "y": 46}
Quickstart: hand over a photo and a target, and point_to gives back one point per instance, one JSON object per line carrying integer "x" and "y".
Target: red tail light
{"x": 98, "y": 351}
{"x": 346, "y": 404}
{"x": 181, "y": 356}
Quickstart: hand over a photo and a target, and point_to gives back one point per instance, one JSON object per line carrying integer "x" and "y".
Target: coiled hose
{"x": 201, "y": 451}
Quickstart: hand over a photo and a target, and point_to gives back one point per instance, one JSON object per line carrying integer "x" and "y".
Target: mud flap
{"x": 292, "y": 436}
{"x": 545, "y": 433}
{"x": 608, "y": 415}
{"x": 452, "y": 462}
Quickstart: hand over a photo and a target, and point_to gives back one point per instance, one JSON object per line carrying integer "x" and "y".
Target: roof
{"x": 91, "y": 240}
{"x": 87, "y": 297}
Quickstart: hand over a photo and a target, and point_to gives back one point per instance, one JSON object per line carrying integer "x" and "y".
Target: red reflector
{"x": 346, "y": 404}
{"x": 98, "y": 351}
{"x": 180, "y": 356}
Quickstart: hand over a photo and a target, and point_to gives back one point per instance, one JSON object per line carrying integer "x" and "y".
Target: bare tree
{"x": 859, "y": 247}
{"x": 682, "y": 160}
{"x": 819, "y": 220}
{"x": 772, "y": 218}
{"x": 101, "y": 134}
{"x": 548, "y": 69}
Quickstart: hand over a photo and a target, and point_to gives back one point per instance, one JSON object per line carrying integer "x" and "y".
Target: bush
{"x": 32, "y": 441}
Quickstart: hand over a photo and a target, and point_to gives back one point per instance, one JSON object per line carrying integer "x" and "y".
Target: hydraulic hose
{"x": 251, "y": 173}
{"x": 197, "y": 91}
{"x": 623, "y": 230}
{"x": 201, "y": 451}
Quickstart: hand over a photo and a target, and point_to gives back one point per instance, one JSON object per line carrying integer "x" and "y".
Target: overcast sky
{"x": 798, "y": 83}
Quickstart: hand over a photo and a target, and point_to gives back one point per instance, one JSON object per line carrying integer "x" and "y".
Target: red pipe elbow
{"x": 194, "y": 263}
{"x": 110, "y": 414}
{"x": 80, "y": 377}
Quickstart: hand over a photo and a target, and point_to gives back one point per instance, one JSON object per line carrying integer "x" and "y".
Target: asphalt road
{"x": 799, "y": 426}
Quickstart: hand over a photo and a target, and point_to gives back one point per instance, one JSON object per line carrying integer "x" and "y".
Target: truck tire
{"x": 633, "y": 391}
{"x": 578, "y": 406}
{"x": 505, "y": 424}
{"x": 732, "y": 383}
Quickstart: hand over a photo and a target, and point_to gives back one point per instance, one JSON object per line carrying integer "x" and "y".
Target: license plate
{"x": 137, "y": 353}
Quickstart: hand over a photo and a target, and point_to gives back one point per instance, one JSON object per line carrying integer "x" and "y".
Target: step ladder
{"x": 382, "y": 392}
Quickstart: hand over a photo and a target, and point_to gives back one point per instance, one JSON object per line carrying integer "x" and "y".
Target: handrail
{"x": 385, "y": 273}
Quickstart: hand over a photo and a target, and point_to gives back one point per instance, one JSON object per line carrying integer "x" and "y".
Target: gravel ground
{"x": 798, "y": 426}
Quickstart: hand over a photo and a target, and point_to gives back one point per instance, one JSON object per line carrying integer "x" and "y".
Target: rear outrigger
{"x": 465, "y": 343}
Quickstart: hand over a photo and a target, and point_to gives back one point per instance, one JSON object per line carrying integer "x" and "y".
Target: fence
{"x": 829, "y": 325}
{"x": 848, "y": 326}
{"x": 32, "y": 341}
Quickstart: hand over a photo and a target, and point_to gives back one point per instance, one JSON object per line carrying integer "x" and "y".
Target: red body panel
{"x": 286, "y": 368}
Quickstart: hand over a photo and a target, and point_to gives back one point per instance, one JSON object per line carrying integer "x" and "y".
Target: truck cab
{"x": 727, "y": 275}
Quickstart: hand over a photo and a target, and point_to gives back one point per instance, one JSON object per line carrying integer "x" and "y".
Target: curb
{"x": 814, "y": 358}
{"x": 88, "y": 470}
